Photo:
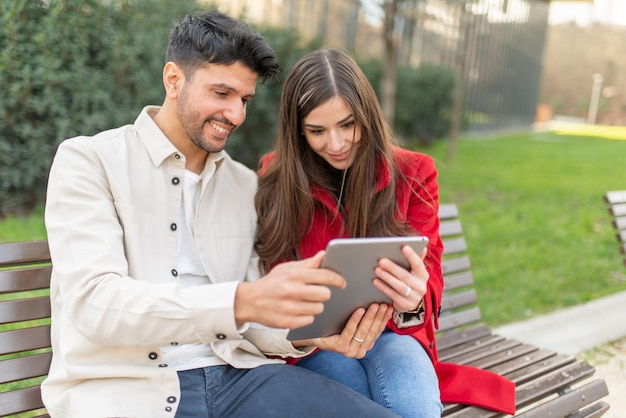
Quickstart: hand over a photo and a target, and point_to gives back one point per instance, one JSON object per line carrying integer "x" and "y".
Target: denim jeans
{"x": 269, "y": 391}
{"x": 396, "y": 373}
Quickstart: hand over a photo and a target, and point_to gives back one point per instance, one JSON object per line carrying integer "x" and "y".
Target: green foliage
{"x": 423, "y": 100}
{"x": 73, "y": 67}
{"x": 256, "y": 136}
{"x": 77, "y": 67}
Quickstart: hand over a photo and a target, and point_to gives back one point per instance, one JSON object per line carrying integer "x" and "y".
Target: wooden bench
{"x": 549, "y": 384}
{"x": 616, "y": 202}
{"x": 24, "y": 326}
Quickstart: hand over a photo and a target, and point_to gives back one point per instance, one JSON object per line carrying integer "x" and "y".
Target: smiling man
{"x": 157, "y": 307}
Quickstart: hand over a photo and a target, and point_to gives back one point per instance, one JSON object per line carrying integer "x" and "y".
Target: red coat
{"x": 458, "y": 384}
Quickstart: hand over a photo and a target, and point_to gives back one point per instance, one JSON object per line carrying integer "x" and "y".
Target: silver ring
{"x": 408, "y": 291}
{"x": 358, "y": 340}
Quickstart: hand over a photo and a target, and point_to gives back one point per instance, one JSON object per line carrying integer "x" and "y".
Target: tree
{"x": 393, "y": 11}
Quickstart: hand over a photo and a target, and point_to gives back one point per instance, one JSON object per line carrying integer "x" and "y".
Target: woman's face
{"x": 330, "y": 131}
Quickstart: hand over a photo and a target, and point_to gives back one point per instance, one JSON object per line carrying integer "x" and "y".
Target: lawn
{"x": 538, "y": 232}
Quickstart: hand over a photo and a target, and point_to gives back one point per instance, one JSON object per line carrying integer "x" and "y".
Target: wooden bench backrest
{"x": 459, "y": 304}
{"x": 24, "y": 325}
{"x": 616, "y": 202}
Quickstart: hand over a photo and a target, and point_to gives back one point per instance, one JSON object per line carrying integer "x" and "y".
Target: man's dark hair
{"x": 212, "y": 37}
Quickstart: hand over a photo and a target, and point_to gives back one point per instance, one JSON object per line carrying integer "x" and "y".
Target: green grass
{"x": 23, "y": 228}
{"x": 539, "y": 235}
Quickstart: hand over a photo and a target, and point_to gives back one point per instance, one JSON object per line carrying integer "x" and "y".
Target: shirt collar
{"x": 158, "y": 145}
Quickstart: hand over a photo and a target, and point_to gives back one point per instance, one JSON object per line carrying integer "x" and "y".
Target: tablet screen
{"x": 355, "y": 259}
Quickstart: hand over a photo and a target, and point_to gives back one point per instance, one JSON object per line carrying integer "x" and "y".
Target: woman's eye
{"x": 348, "y": 124}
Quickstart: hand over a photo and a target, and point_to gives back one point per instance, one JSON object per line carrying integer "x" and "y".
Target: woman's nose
{"x": 335, "y": 141}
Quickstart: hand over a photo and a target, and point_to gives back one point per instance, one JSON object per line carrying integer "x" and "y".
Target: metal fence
{"x": 496, "y": 47}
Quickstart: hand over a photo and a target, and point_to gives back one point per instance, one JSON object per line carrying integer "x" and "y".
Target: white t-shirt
{"x": 190, "y": 273}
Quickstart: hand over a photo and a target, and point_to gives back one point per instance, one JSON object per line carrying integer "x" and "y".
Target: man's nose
{"x": 236, "y": 113}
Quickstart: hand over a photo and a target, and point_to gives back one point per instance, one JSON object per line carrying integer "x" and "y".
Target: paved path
{"x": 574, "y": 330}
{"x": 594, "y": 331}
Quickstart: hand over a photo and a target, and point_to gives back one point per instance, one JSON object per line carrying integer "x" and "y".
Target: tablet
{"x": 355, "y": 259}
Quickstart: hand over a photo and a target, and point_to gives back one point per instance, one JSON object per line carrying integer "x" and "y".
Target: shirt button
{"x": 153, "y": 356}
{"x": 171, "y": 399}
{"x": 173, "y": 227}
{"x": 168, "y": 408}
{"x": 221, "y": 336}
{"x": 177, "y": 156}
{"x": 174, "y": 273}
{"x": 162, "y": 365}
{"x": 175, "y": 181}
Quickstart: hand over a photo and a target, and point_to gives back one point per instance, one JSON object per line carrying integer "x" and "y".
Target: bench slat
{"x": 25, "y": 367}
{"x": 455, "y": 265}
{"x": 552, "y": 382}
{"x": 620, "y": 223}
{"x": 618, "y": 196}
{"x": 618, "y": 210}
{"x": 471, "y": 352}
{"x": 448, "y": 211}
{"x": 459, "y": 299}
{"x": 616, "y": 201}
{"x": 454, "y": 246}
{"x": 25, "y": 279}
{"x": 530, "y": 355}
{"x": 456, "y": 337}
{"x": 450, "y": 228}
{"x": 468, "y": 345}
{"x": 24, "y": 339}
{"x": 569, "y": 402}
{"x": 21, "y": 400}
{"x": 27, "y": 252}
{"x": 24, "y": 309}
{"x": 594, "y": 411}
{"x": 457, "y": 280}
{"x": 515, "y": 355}
{"x": 459, "y": 319}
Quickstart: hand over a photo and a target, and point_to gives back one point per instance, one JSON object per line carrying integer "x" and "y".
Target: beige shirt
{"x": 112, "y": 215}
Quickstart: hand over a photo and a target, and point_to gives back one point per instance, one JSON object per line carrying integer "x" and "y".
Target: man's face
{"x": 213, "y": 102}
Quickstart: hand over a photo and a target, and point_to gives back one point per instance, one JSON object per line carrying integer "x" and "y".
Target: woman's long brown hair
{"x": 284, "y": 202}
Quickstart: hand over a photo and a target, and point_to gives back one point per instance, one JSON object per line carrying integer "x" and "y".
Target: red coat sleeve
{"x": 418, "y": 201}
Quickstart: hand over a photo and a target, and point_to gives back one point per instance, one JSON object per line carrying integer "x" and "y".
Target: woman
{"x": 336, "y": 171}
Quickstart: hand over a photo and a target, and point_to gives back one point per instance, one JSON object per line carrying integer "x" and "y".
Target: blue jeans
{"x": 396, "y": 373}
{"x": 269, "y": 391}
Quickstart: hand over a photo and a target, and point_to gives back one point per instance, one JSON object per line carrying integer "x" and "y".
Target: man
{"x": 151, "y": 228}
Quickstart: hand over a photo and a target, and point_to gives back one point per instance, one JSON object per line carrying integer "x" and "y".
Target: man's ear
{"x": 172, "y": 79}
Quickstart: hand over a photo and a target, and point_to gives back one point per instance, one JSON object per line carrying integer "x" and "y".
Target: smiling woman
{"x": 331, "y": 132}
